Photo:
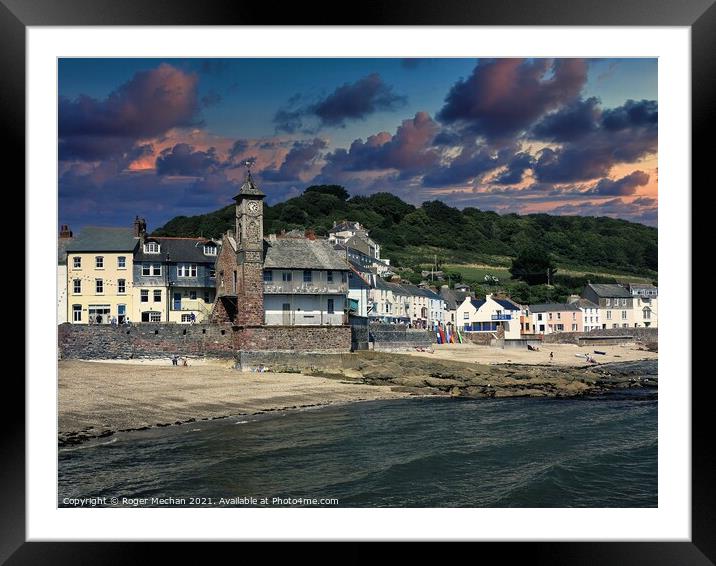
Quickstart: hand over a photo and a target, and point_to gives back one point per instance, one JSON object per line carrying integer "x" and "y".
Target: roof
{"x": 449, "y": 297}
{"x": 104, "y": 239}
{"x": 508, "y": 304}
{"x": 477, "y": 303}
{"x": 642, "y": 286}
{"x": 249, "y": 188}
{"x": 553, "y": 307}
{"x": 295, "y": 253}
{"x": 177, "y": 249}
{"x": 609, "y": 290}
{"x": 585, "y": 304}
{"x": 62, "y": 244}
{"x": 358, "y": 267}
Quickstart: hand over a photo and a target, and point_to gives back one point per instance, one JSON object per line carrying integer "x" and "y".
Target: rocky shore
{"x": 413, "y": 374}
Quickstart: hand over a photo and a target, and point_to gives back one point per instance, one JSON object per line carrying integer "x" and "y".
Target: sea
{"x": 414, "y": 452}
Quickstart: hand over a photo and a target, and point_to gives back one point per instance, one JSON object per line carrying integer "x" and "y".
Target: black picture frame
{"x": 699, "y": 15}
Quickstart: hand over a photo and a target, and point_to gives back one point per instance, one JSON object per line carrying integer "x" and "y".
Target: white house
{"x": 488, "y": 315}
{"x": 305, "y": 283}
{"x": 590, "y": 313}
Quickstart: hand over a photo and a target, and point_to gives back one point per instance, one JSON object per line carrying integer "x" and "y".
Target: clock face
{"x": 253, "y": 206}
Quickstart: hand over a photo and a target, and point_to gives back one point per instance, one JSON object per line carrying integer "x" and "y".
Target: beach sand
{"x": 98, "y": 397}
{"x": 564, "y": 354}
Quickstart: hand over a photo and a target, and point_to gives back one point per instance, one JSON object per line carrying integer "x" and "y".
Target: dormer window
{"x": 210, "y": 249}
{"x": 151, "y": 248}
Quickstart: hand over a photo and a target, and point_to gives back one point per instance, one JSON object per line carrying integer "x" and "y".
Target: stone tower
{"x": 250, "y": 253}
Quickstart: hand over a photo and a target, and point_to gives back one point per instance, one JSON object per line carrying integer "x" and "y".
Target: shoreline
{"x": 97, "y": 398}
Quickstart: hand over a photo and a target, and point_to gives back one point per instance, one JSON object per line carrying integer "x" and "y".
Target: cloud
{"x": 148, "y": 105}
{"x": 298, "y": 160}
{"x": 570, "y": 122}
{"x": 644, "y": 113}
{"x": 351, "y": 101}
{"x": 183, "y": 160}
{"x": 627, "y": 185}
{"x": 409, "y": 150}
{"x": 468, "y": 165}
{"x": 516, "y": 168}
{"x": 503, "y": 97}
{"x": 211, "y": 98}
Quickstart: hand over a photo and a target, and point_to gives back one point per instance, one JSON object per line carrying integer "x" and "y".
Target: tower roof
{"x": 249, "y": 188}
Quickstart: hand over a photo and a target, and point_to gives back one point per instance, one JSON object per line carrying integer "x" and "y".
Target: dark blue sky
{"x": 166, "y": 137}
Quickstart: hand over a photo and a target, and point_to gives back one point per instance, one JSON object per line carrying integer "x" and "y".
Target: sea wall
{"x": 147, "y": 340}
{"x": 604, "y": 336}
{"x": 397, "y": 337}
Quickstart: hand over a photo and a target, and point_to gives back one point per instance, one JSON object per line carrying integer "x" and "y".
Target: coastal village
{"x": 124, "y": 276}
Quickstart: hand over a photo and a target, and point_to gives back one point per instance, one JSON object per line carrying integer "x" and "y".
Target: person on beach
{"x": 184, "y": 362}
{"x": 174, "y": 360}
{"x": 551, "y": 357}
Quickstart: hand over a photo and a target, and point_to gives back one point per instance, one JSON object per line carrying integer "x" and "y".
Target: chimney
{"x": 310, "y": 234}
{"x": 140, "y": 227}
{"x": 65, "y": 232}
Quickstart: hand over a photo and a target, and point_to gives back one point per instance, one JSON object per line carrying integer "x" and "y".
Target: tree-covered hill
{"x": 412, "y": 235}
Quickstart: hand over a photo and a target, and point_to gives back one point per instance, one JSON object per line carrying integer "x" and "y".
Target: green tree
{"x": 534, "y": 265}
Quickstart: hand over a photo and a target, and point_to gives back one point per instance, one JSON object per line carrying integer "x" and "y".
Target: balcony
{"x": 501, "y": 317}
{"x": 305, "y": 288}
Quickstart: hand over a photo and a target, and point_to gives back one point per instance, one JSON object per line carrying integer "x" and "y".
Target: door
{"x": 121, "y": 313}
{"x": 177, "y": 302}
{"x": 286, "y": 314}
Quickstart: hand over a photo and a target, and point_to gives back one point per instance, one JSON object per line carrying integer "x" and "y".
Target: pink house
{"x": 556, "y": 317}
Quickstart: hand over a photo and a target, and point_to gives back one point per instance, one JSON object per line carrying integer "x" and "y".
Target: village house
{"x": 450, "y": 300}
{"x": 287, "y": 280}
{"x": 174, "y": 279}
{"x": 556, "y": 317}
{"x": 99, "y": 275}
{"x": 352, "y": 239}
{"x": 620, "y": 307}
{"x": 489, "y": 315}
{"x": 426, "y": 307}
{"x": 360, "y": 280}
{"x": 590, "y": 313}
{"x": 389, "y": 302}
{"x": 64, "y": 240}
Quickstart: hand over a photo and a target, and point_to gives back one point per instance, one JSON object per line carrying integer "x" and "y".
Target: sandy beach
{"x": 565, "y": 355}
{"x": 96, "y": 398}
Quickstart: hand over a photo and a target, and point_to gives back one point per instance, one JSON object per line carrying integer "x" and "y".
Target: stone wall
{"x": 144, "y": 341}
{"x": 294, "y": 338}
{"x": 480, "y": 338}
{"x": 610, "y": 335}
{"x": 293, "y": 362}
{"x": 396, "y": 337}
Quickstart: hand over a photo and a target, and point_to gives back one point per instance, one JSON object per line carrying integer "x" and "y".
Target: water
{"x": 429, "y": 452}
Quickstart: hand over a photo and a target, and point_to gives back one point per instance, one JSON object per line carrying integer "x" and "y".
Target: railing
{"x": 501, "y": 317}
{"x": 305, "y": 288}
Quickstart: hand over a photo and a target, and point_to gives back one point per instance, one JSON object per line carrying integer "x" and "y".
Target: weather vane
{"x": 248, "y": 163}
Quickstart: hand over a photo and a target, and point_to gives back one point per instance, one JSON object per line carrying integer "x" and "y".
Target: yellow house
{"x": 99, "y": 275}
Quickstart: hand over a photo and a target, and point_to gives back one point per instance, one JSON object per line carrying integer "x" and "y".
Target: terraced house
{"x": 99, "y": 275}
{"x": 174, "y": 279}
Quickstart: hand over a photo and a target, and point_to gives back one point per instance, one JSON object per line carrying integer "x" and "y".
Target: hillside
{"x": 412, "y": 236}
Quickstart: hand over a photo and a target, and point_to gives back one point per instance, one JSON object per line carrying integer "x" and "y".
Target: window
{"x": 151, "y": 248}
{"x": 624, "y": 314}
{"x": 624, "y": 302}
{"x": 609, "y": 302}
{"x": 99, "y": 262}
{"x": 151, "y": 316}
{"x": 76, "y": 313}
{"x": 609, "y": 315}
{"x": 186, "y": 270}
{"x": 192, "y": 295}
{"x": 268, "y": 276}
{"x": 307, "y": 276}
{"x": 466, "y": 316}
{"x": 144, "y": 296}
{"x": 76, "y": 262}
{"x": 330, "y": 306}
{"x": 574, "y": 328}
{"x": 615, "y": 326}
{"x": 625, "y": 326}
{"x": 559, "y": 327}
{"x": 121, "y": 286}
{"x": 77, "y": 286}
{"x": 157, "y": 295}
{"x": 539, "y": 316}
{"x": 210, "y": 249}
{"x": 559, "y": 315}
{"x": 550, "y": 316}
{"x": 186, "y": 317}
{"x": 329, "y": 277}
{"x": 286, "y": 276}
{"x": 647, "y": 312}
{"x": 212, "y": 273}
{"x": 574, "y": 316}
{"x": 151, "y": 269}
{"x": 121, "y": 262}
{"x": 207, "y": 297}
{"x": 99, "y": 286}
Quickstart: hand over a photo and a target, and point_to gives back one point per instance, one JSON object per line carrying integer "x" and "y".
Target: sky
{"x": 160, "y": 138}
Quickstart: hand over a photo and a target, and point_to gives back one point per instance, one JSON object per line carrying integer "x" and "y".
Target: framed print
{"x": 456, "y": 216}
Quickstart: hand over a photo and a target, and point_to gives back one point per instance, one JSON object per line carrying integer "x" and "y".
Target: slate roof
{"x": 507, "y": 304}
{"x": 585, "y": 304}
{"x": 177, "y": 250}
{"x": 302, "y": 254}
{"x": 477, "y": 303}
{"x": 249, "y": 188}
{"x": 553, "y": 307}
{"x": 103, "y": 239}
{"x": 609, "y": 290}
{"x": 62, "y": 244}
{"x": 449, "y": 297}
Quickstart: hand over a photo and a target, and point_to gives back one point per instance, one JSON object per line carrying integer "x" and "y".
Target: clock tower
{"x": 250, "y": 253}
